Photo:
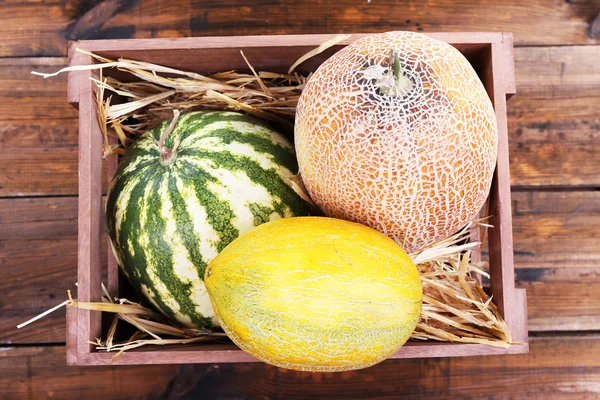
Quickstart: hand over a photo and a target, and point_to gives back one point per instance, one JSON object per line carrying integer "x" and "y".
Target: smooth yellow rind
{"x": 315, "y": 294}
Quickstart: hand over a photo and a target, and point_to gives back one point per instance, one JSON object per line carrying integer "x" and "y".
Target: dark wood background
{"x": 554, "y": 128}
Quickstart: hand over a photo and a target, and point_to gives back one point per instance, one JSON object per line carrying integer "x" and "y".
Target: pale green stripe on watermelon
{"x": 218, "y": 211}
{"x": 240, "y": 128}
{"x": 210, "y": 237}
{"x": 162, "y": 258}
{"x": 132, "y": 252}
{"x": 179, "y": 221}
{"x": 184, "y": 242}
{"x": 230, "y": 185}
{"x": 228, "y": 135}
{"x": 131, "y": 181}
{"x": 285, "y": 197}
{"x": 151, "y": 285}
{"x": 214, "y": 144}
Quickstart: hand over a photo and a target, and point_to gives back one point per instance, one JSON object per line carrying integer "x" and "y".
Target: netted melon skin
{"x": 416, "y": 167}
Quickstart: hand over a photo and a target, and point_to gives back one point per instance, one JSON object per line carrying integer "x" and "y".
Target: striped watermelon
{"x": 170, "y": 213}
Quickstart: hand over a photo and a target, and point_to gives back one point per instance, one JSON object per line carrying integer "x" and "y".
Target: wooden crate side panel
{"x": 229, "y": 353}
{"x": 90, "y": 215}
{"x": 72, "y": 315}
{"x": 220, "y": 42}
{"x": 75, "y": 58}
{"x": 199, "y": 356}
{"x": 510, "y": 79}
{"x": 502, "y": 280}
{"x": 112, "y": 284}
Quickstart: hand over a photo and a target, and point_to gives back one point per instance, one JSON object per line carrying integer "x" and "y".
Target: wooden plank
{"x": 558, "y": 72}
{"x": 90, "y": 214}
{"x": 30, "y": 219}
{"x": 561, "y": 367}
{"x": 557, "y": 258}
{"x": 38, "y": 257}
{"x": 38, "y": 254}
{"x": 562, "y": 299}
{"x": 40, "y": 372}
{"x": 500, "y": 240}
{"x": 38, "y": 130}
{"x": 554, "y": 123}
{"x": 50, "y": 27}
{"x": 38, "y": 157}
{"x": 555, "y": 368}
{"x": 24, "y": 96}
{"x": 207, "y": 353}
{"x": 553, "y": 120}
{"x": 36, "y": 276}
{"x": 510, "y": 86}
{"x": 274, "y": 53}
{"x": 556, "y": 229}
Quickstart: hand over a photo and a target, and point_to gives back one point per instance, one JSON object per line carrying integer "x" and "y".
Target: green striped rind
{"x": 167, "y": 222}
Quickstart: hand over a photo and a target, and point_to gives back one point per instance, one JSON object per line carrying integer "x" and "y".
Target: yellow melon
{"x": 396, "y": 131}
{"x": 315, "y": 294}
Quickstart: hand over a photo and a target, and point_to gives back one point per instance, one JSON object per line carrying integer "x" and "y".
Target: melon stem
{"x": 395, "y": 84}
{"x": 396, "y": 60}
{"x": 167, "y": 156}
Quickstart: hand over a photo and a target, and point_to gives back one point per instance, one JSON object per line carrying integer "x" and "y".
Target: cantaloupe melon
{"x": 396, "y": 131}
{"x": 315, "y": 294}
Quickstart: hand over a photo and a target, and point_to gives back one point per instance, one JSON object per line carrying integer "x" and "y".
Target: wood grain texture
{"x": 557, "y": 367}
{"x": 557, "y": 229}
{"x": 562, "y": 299}
{"x": 49, "y": 28}
{"x": 554, "y": 123}
{"x": 557, "y": 258}
{"x": 90, "y": 214}
{"x": 554, "y": 129}
{"x": 501, "y": 266}
{"x": 39, "y": 157}
{"x": 563, "y": 285}
{"x": 24, "y": 96}
{"x": 36, "y": 277}
{"x": 38, "y": 130}
{"x": 507, "y": 376}
{"x": 40, "y": 372}
{"x": 38, "y": 257}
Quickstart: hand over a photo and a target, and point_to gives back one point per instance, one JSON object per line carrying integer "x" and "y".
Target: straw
{"x": 267, "y": 95}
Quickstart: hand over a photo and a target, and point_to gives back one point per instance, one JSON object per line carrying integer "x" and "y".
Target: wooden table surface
{"x": 554, "y": 129}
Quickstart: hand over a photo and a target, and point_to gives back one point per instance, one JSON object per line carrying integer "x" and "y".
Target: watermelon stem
{"x": 167, "y": 156}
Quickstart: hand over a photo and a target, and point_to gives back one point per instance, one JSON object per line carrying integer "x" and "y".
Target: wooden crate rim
{"x": 284, "y": 40}
{"x": 312, "y": 40}
{"x": 83, "y": 326}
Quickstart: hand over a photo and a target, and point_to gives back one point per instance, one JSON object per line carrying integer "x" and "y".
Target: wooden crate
{"x": 491, "y": 54}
